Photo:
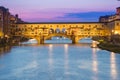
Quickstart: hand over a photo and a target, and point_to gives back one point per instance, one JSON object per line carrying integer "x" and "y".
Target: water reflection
{"x": 59, "y": 62}
{"x": 4, "y": 50}
{"x": 95, "y": 63}
{"x": 50, "y": 61}
{"x": 66, "y": 60}
{"x": 35, "y": 61}
{"x": 113, "y": 66}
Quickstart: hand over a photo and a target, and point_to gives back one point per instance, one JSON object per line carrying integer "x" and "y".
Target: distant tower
{"x": 118, "y": 10}
{"x": 16, "y": 18}
{"x": 16, "y": 15}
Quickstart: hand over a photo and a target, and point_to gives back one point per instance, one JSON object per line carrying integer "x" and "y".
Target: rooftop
{"x": 58, "y": 22}
{"x": 118, "y": 8}
{"x": 3, "y": 8}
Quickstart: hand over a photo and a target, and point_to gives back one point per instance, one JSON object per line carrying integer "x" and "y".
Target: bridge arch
{"x": 55, "y": 35}
{"x": 64, "y": 30}
{"x": 51, "y": 31}
{"x": 57, "y": 30}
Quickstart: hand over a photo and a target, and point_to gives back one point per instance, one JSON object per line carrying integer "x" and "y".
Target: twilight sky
{"x": 60, "y": 10}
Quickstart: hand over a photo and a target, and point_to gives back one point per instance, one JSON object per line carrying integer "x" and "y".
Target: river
{"x": 58, "y": 62}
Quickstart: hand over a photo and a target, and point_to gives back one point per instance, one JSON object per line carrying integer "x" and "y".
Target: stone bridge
{"x": 72, "y": 30}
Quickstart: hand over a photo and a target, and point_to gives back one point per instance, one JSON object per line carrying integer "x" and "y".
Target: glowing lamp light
{"x": 94, "y": 44}
{"x": 116, "y": 32}
{"x": 112, "y": 31}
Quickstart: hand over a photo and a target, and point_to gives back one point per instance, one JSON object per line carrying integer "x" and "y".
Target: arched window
{"x": 51, "y": 31}
{"x": 57, "y": 30}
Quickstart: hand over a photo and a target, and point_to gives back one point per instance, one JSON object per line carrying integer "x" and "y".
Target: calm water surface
{"x": 58, "y": 62}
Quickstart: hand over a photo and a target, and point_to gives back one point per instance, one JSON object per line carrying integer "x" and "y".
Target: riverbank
{"x": 4, "y": 42}
{"x": 110, "y": 43}
{"x": 11, "y": 41}
{"x": 110, "y": 47}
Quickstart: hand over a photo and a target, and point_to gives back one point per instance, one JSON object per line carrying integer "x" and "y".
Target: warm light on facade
{"x": 1, "y": 34}
{"x": 116, "y": 32}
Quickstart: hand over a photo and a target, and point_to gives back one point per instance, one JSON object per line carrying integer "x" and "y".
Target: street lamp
{"x": 112, "y": 32}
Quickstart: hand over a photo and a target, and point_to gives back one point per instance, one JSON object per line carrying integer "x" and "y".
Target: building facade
{"x": 81, "y": 28}
{"x": 6, "y": 20}
{"x": 4, "y": 15}
{"x": 72, "y": 30}
{"x": 109, "y": 18}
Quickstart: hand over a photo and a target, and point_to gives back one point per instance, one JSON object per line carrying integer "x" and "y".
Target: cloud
{"x": 85, "y": 16}
{"x": 63, "y": 15}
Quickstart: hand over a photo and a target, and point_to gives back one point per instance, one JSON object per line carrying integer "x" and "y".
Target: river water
{"x": 58, "y": 62}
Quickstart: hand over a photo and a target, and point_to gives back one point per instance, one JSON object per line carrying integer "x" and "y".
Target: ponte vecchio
{"x": 72, "y": 30}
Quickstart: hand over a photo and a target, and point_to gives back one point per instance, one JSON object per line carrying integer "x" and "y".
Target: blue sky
{"x": 60, "y": 10}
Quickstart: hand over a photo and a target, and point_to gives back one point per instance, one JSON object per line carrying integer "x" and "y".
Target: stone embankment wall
{"x": 115, "y": 39}
{"x": 4, "y": 41}
{"x": 111, "y": 43}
